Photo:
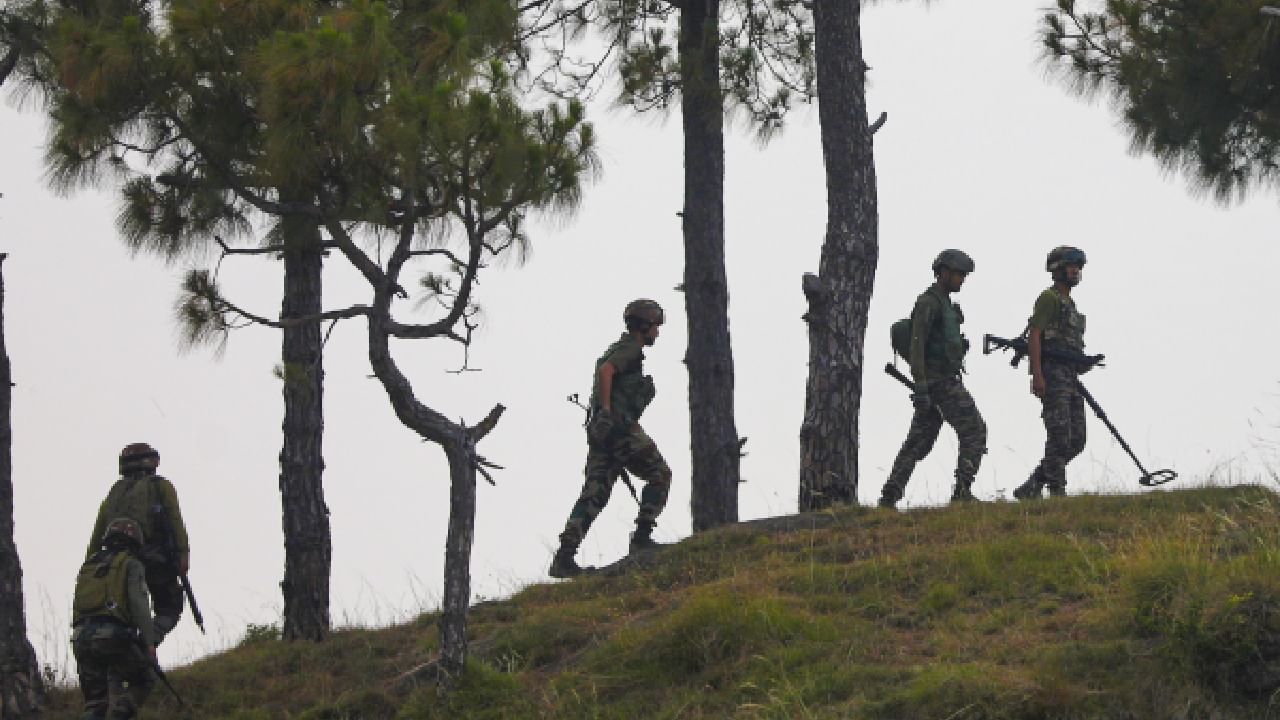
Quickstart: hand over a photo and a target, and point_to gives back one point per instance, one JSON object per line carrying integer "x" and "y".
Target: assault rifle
{"x": 897, "y": 374}
{"x": 155, "y": 667}
{"x": 622, "y": 472}
{"x": 161, "y": 520}
{"x": 1020, "y": 348}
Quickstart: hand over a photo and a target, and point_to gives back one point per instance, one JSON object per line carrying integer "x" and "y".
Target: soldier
{"x": 937, "y": 357}
{"x": 1055, "y": 322}
{"x": 114, "y": 640}
{"x": 615, "y": 441}
{"x": 150, "y": 500}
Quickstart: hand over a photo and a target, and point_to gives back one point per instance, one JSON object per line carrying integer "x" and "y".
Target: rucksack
{"x": 900, "y": 338}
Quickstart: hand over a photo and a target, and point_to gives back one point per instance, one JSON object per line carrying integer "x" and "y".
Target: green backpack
{"x": 900, "y": 338}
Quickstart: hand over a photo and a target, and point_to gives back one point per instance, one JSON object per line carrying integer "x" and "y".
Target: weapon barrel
{"x": 896, "y": 374}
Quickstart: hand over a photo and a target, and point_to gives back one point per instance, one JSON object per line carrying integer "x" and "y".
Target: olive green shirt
{"x": 1046, "y": 309}
{"x": 627, "y": 357}
{"x": 1057, "y": 316}
{"x": 131, "y": 496}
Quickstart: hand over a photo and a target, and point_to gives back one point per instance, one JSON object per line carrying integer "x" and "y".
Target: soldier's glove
{"x": 601, "y": 426}
{"x": 921, "y": 400}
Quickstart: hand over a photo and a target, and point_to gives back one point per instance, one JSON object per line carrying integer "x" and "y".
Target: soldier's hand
{"x": 1037, "y": 385}
{"x": 184, "y": 564}
{"x": 151, "y": 652}
{"x": 601, "y": 426}
{"x": 921, "y": 400}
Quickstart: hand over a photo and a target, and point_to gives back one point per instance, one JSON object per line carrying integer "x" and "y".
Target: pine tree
{"x": 839, "y": 296}
{"x": 1196, "y": 83}
{"x": 429, "y": 160}
{"x": 21, "y": 686}
{"x": 751, "y": 58}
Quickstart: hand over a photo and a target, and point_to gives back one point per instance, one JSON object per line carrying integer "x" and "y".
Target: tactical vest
{"x": 632, "y": 390}
{"x": 102, "y": 587}
{"x": 1067, "y": 329}
{"x": 946, "y": 346}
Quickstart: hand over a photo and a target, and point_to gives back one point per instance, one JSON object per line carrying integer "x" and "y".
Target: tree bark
{"x": 457, "y": 557}
{"x": 307, "y": 543}
{"x": 21, "y": 687}
{"x": 713, "y": 436}
{"x": 459, "y": 444}
{"x": 839, "y": 296}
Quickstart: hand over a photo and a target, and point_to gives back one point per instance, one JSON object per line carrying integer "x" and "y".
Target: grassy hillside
{"x": 1163, "y": 605}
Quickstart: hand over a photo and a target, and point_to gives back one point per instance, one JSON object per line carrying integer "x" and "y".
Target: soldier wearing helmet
{"x": 615, "y": 441}
{"x": 936, "y": 356}
{"x": 113, "y": 637}
{"x": 151, "y": 501}
{"x": 1056, "y": 322}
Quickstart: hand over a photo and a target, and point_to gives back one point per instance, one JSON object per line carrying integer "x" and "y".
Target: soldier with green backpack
{"x": 151, "y": 501}
{"x": 620, "y": 393}
{"x": 113, "y": 638}
{"x": 932, "y": 343}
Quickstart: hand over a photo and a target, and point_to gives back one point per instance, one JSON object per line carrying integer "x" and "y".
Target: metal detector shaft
{"x": 1159, "y": 477}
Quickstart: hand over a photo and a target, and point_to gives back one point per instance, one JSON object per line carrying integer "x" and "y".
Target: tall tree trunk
{"x": 307, "y": 545}
{"x": 713, "y": 435}
{"x": 457, "y": 557}
{"x": 21, "y": 688}
{"x": 840, "y": 295}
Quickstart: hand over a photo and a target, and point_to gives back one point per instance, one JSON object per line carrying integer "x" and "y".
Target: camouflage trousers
{"x": 953, "y": 404}
{"x": 115, "y": 674}
{"x": 635, "y": 451}
{"x": 1064, "y": 427}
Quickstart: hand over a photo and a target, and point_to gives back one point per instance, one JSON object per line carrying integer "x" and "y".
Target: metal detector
{"x": 1150, "y": 479}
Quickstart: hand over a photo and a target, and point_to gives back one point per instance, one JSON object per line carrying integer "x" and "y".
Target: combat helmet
{"x": 645, "y": 311}
{"x": 123, "y": 529}
{"x": 138, "y": 457}
{"x": 1062, "y": 256}
{"x": 957, "y": 260}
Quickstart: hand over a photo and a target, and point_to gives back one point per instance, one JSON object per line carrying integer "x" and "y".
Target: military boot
{"x": 1031, "y": 489}
{"x": 1057, "y": 491}
{"x": 963, "y": 490}
{"x": 889, "y": 497}
{"x": 563, "y": 565}
{"x": 642, "y": 538}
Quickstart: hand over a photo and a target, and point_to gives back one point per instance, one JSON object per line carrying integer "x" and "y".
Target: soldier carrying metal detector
{"x": 991, "y": 343}
{"x": 1054, "y": 343}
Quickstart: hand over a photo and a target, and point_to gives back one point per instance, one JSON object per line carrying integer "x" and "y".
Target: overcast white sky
{"x": 981, "y": 152}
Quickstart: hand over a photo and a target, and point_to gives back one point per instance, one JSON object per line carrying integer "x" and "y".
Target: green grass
{"x": 1163, "y": 605}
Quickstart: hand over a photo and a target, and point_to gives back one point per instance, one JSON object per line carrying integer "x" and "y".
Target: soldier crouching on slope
{"x": 1056, "y": 323}
{"x": 150, "y": 500}
{"x": 114, "y": 641}
{"x": 937, "y": 357}
{"x": 615, "y": 441}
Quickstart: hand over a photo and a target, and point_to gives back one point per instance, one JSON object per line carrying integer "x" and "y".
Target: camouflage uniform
{"x": 139, "y": 495}
{"x": 112, "y": 625}
{"x": 626, "y": 447}
{"x": 1063, "y": 406}
{"x": 937, "y": 357}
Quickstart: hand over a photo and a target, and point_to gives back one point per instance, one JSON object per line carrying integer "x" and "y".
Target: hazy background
{"x": 980, "y": 152}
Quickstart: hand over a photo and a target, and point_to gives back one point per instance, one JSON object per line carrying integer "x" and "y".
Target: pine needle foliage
{"x": 1144, "y": 607}
{"x": 370, "y": 118}
{"x": 1197, "y": 84}
{"x": 766, "y": 54}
